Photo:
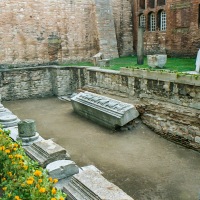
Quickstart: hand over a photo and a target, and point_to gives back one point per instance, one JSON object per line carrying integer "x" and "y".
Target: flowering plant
{"x": 22, "y": 178}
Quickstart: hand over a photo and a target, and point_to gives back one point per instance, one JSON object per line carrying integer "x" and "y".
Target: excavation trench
{"x": 140, "y": 162}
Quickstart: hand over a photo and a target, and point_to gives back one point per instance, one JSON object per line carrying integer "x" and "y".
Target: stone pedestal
{"x": 27, "y": 132}
{"x": 104, "y": 63}
{"x": 62, "y": 169}
{"x": 46, "y": 151}
{"x": 158, "y": 60}
{"x": 97, "y": 58}
{"x": 9, "y": 120}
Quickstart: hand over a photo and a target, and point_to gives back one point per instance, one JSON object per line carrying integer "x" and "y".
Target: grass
{"x": 173, "y": 64}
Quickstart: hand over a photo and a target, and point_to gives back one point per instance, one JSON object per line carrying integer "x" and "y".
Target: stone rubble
{"x": 85, "y": 183}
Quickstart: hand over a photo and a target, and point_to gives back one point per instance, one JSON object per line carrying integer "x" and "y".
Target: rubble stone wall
{"x": 168, "y": 104}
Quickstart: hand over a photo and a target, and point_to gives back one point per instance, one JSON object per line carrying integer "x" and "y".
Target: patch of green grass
{"x": 173, "y": 64}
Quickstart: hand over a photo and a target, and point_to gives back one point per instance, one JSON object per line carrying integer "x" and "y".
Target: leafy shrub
{"x": 22, "y": 178}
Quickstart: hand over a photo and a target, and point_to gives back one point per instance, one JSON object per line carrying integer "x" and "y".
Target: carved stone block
{"x": 103, "y": 110}
{"x": 46, "y": 151}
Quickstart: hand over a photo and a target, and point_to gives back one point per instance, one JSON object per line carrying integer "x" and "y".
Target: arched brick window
{"x": 162, "y": 20}
{"x": 142, "y": 4}
{"x": 152, "y": 21}
{"x": 142, "y": 21}
{"x": 160, "y": 2}
{"x": 151, "y": 3}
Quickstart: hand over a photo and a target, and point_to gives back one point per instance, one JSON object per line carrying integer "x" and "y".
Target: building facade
{"x": 170, "y": 26}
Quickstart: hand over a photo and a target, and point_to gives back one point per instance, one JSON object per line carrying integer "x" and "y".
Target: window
{"x": 142, "y": 21}
{"x": 163, "y": 21}
{"x": 142, "y": 4}
{"x": 151, "y": 3}
{"x": 152, "y": 22}
{"x": 160, "y": 2}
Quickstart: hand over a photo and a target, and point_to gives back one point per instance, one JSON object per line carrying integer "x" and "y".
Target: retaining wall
{"x": 169, "y": 103}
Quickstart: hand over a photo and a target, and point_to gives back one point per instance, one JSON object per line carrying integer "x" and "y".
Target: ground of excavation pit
{"x": 144, "y": 165}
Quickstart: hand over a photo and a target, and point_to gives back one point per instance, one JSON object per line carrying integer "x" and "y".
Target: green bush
{"x": 22, "y": 178}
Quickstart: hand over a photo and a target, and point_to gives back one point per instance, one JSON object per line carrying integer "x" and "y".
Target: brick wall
{"x": 182, "y": 35}
{"x": 47, "y": 31}
{"x": 122, "y": 10}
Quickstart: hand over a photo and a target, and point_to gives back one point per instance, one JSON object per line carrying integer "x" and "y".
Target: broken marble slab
{"x": 46, "y": 151}
{"x": 62, "y": 169}
{"x": 103, "y": 110}
{"x": 9, "y": 120}
{"x": 89, "y": 185}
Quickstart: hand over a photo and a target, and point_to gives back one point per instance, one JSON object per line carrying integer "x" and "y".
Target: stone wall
{"x": 40, "y": 32}
{"x": 34, "y": 82}
{"x": 122, "y": 10}
{"x": 169, "y": 104}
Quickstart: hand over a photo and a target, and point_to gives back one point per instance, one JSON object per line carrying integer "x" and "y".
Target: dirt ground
{"x": 144, "y": 165}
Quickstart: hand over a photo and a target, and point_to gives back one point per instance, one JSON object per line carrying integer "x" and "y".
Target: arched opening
{"x": 152, "y": 21}
{"x": 142, "y": 21}
{"x": 162, "y": 20}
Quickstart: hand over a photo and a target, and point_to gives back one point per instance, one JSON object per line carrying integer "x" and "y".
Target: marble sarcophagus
{"x": 103, "y": 110}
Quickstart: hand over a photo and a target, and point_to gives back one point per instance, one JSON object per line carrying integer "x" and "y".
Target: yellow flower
{"x": 10, "y": 173}
{"x": 15, "y": 149}
{"x": 3, "y": 179}
{"x": 30, "y": 180}
{"x": 10, "y": 156}
{"x": 17, "y": 198}
{"x": 25, "y": 167}
{"x": 61, "y": 198}
{"x": 16, "y": 145}
{"x": 50, "y": 179}
{"x": 53, "y": 191}
{"x": 37, "y": 173}
{"x": 40, "y": 180}
{"x": 55, "y": 180}
{"x": 42, "y": 190}
{"x": 53, "y": 198}
{"x": 4, "y": 188}
{"x": 7, "y": 151}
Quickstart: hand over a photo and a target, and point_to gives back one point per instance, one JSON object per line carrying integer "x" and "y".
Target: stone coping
{"x": 41, "y": 68}
{"x": 163, "y": 75}
{"x": 98, "y": 69}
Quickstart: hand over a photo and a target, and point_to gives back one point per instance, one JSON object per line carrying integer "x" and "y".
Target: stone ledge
{"x": 162, "y": 76}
